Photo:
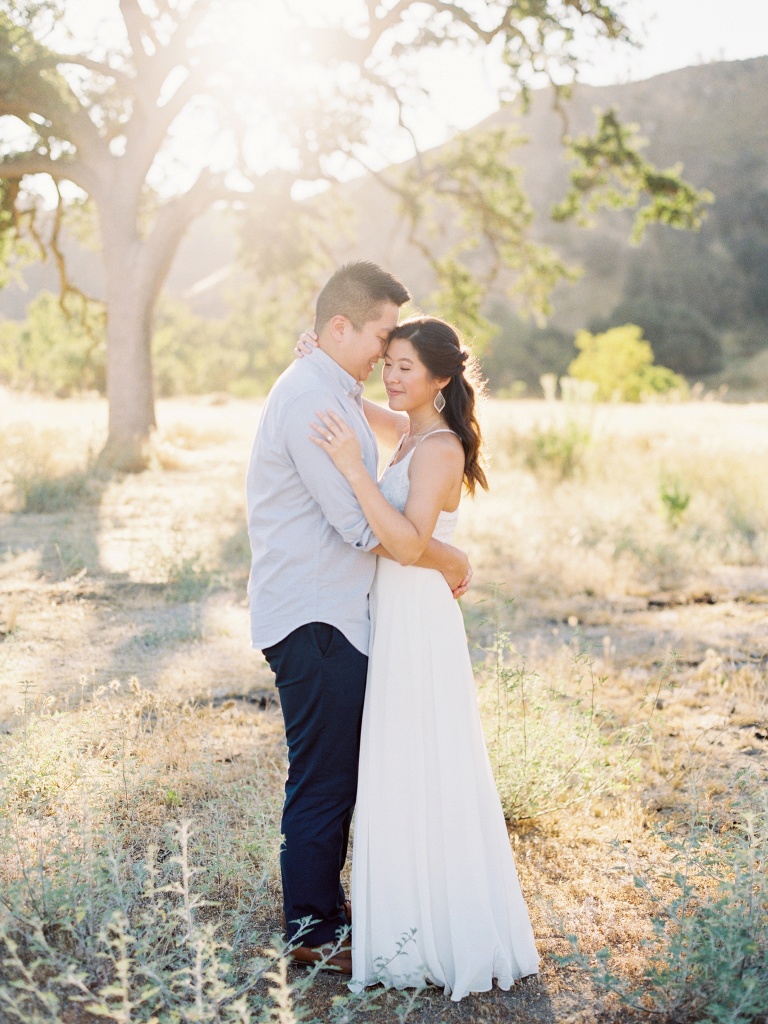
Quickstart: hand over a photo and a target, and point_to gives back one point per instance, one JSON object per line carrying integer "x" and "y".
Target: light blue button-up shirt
{"x": 310, "y": 542}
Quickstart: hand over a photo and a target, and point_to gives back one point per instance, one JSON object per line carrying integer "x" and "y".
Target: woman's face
{"x": 409, "y": 383}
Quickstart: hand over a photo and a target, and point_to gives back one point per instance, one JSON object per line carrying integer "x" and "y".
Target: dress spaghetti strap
{"x": 396, "y": 452}
{"x": 442, "y": 430}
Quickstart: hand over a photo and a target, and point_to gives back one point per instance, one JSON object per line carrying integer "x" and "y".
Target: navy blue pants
{"x": 320, "y": 677}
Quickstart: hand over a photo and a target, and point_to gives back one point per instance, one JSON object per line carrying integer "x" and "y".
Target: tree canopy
{"x": 151, "y": 111}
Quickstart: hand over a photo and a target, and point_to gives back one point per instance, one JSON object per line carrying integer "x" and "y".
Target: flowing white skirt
{"x": 435, "y": 894}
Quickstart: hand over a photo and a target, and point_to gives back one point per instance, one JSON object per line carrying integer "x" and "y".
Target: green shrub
{"x": 560, "y": 452}
{"x": 189, "y": 579}
{"x": 620, "y": 363}
{"x": 43, "y": 494}
{"x": 54, "y": 352}
{"x": 134, "y": 940}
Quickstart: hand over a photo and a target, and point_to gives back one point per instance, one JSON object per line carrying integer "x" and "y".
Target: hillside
{"x": 702, "y": 298}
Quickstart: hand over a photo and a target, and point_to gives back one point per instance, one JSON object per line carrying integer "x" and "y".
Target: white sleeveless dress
{"x": 435, "y": 892}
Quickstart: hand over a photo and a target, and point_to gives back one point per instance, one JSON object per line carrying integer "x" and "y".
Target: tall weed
{"x": 110, "y": 912}
{"x": 560, "y": 452}
{"x": 550, "y": 743}
{"x": 40, "y": 473}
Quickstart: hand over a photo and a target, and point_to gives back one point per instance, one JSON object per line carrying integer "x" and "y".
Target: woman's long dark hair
{"x": 439, "y": 348}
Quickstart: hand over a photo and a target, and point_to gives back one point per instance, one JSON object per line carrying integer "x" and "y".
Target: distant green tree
{"x": 53, "y": 352}
{"x": 620, "y": 363}
{"x": 681, "y": 338}
{"x": 521, "y": 350}
{"x": 188, "y": 354}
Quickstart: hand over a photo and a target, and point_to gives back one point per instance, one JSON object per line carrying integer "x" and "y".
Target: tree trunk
{"x": 130, "y": 390}
{"x": 136, "y": 269}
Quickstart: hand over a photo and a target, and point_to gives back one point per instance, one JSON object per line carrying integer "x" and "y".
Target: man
{"x": 313, "y": 561}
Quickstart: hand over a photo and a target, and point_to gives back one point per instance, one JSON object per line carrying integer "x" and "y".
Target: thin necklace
{"x": 422, "y": 433}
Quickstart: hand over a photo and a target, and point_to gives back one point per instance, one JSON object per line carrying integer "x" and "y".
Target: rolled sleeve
{"x": 327, "y": 486}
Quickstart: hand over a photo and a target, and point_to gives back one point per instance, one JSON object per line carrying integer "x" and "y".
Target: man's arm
{"x": 327, "y": 486}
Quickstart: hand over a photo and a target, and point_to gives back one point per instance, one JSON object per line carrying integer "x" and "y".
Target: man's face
{"x": 367, "y": 344}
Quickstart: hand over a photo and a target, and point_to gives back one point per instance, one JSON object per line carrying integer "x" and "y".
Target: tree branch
{"x": 25, "y": 92}
{"x": 145, "y": 135}
{"x": 136, "y": 25}
{"x": 20, "y": 165}
{"x": 173, "y": 221}
{"x": 67, "y": 289}
{"x": 97, "y": 67}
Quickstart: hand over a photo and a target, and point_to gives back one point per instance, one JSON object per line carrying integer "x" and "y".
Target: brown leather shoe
{"x": 339, "y": 961}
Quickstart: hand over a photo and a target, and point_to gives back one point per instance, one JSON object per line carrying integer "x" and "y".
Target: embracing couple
{"x": 352, "y": 602}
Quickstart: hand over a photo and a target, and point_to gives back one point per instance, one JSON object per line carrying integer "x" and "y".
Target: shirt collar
{"x": 330, "y": 368}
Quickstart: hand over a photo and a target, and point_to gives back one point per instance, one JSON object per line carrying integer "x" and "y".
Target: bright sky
{"x": 674, "y": 33}
{"x": 679, "y": 33}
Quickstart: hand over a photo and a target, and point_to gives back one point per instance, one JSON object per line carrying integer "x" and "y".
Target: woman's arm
{"x": 433, "y": 482}
{"x": 388, "y": 426}
{"x": 452, "y": 563}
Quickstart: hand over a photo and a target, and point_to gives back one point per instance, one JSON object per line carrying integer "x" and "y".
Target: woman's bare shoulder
{"x": 442, "y": 447}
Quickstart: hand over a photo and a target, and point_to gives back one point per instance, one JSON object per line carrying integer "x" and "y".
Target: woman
{"x": 435, "y": 892}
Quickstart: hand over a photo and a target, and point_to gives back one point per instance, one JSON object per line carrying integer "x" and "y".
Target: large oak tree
{"x": 154, "y": 110}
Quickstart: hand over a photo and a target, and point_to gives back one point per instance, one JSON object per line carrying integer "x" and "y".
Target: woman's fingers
{"x": 328, "y": 426}
{"x": 322, "y": 434}
{"x": 336, "y": 424}
{"x": 334, "y": 435}
{"x": 306, "y": 344}
{"x": 333, "y": 427}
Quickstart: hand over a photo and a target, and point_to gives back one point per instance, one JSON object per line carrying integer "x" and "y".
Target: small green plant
{"x": 38, "y": 493}
{"x": 708, "y": 948}
{"x": 560, "y": 452}
{"x": 674, "y": 498}
{"x": 127, "y": 940}
{"x": 188, "y": 579}
{"x": 550, "y": 744}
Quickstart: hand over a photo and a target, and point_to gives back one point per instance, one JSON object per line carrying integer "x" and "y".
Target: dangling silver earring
{"x": 439, "y": 402}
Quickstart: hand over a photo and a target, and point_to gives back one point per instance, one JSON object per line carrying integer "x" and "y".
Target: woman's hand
{"x": 463, "y": 586}
{"x": 306, "y": 344}
{"x": 340, "y": 441}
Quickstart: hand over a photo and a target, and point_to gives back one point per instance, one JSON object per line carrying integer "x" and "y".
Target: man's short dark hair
{"x": 357, "y": 291}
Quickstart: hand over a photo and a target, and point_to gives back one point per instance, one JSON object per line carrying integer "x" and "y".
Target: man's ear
{"x": 337, "y": 327}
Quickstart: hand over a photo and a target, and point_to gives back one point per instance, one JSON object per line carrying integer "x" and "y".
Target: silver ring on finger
{"x": 329, "y": 438}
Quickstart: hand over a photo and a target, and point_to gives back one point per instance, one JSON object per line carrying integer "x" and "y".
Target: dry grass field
{"x": 619, "y": 622}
